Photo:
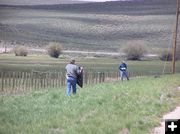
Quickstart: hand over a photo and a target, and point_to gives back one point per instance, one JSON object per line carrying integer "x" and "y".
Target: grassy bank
{"x": 136, "y": 105}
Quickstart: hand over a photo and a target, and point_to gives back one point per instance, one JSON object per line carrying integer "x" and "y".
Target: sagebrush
{"x": 21, "y": 51}
{"x": 134, "y": 50}
{"x": 54, "y": 49}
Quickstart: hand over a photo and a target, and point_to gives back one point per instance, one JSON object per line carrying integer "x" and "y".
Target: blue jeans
{"x": 70, "y": 82}
{"x": 124, "y": 74}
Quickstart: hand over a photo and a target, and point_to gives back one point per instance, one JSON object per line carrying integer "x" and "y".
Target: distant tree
{"x": 134, "y": 50}
{"x": 166, "y": 55}
{"x": 20, "y": 51}
{"x": 54, "y": 49}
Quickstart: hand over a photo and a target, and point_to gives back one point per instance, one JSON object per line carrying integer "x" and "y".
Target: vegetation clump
{"x": 20, "y": 51}
{"x": 54, "y": 49}
{"x": 166, "y": 55}
{"x": 134, "y": 50}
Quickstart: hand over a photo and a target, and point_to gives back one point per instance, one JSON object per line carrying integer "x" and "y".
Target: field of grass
{"x": 107, "y": 108}
{"x": 9, "y": 62}
{"x": 91, "y": 27}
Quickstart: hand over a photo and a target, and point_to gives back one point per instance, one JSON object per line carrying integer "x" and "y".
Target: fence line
{"x": 22, "y": 81}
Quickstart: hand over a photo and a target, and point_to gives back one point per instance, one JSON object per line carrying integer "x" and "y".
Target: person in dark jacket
{"x": 123, "y": 71}
{"x": 72, "y": 72}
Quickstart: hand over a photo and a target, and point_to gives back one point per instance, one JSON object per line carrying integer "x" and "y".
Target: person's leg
{"x": 126, "y": 75}
{"x": 121, "y": 73}
{"x": 74, "y": 81}
{"x": 68, "y": 87}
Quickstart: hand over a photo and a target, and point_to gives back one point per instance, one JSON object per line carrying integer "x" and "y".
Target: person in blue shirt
{"x": 123, "y": 71}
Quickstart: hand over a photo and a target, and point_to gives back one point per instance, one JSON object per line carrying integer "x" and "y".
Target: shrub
{"x": 134, "y": 50}
{"x": 166, "y": 55}
{"x": 54, "y": 49}
{"x": 20, "y": 51}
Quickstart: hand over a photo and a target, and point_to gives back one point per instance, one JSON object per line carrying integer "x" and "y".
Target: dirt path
{"x": 175, "y": 114}
{"x": 172, "y": 115}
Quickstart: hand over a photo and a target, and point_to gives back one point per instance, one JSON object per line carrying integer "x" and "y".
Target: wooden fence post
{"x": 2, "y": 80}
{"x": 35, "y": 80}
{"x": 99, "y": 77}
{"x": 13, "y": 81}
{"x": 5, "y": 81}
{"x": 18, "y": 82}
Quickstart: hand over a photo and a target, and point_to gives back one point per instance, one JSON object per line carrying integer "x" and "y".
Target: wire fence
{"x": 22, "y": 81}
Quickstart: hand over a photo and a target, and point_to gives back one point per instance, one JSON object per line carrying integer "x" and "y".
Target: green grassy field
{"x": 106, "y": 108}
{"x": 9, "y": 62}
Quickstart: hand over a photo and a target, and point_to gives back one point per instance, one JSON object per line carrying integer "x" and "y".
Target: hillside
{"x": 90, "y": 26}
{"x": 37, "y": 2}
{"x": 136, "y": 7}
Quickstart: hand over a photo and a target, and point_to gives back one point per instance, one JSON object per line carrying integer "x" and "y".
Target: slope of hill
{"x": 91, "y": 26}
{"x": 38, "y": 2}
{"x": 137, "y": 7}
